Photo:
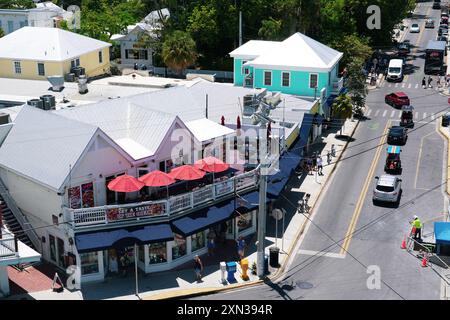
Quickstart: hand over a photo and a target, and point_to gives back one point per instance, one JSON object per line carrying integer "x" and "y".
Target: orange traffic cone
{"x": 424, "y": 261}
{"x": 403, "y": 246}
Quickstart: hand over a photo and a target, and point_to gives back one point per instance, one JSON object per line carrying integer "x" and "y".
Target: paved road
{"x": 374, "y": 233}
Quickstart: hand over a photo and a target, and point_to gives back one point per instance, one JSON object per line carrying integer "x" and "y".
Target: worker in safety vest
{"x": 417, "y": 225}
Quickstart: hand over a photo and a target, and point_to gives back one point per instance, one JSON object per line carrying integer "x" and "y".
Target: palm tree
{"x": 179, "y": 51}
{"x": 342, "y": 108}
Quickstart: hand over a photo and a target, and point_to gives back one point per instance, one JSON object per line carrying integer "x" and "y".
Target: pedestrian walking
{"x": 417, "y": 227}
{"x": 211, "y": 243}
{"x": 333, "y": 151}
{"x": 430, "y": 80}
{"x": 328, "y": 157}
{"x": 319, "y": 165}
{"x": 240, "y": 247}
{"x": 438, "y": 83}
{"x": 424, "y": 83}
{"x": 314, "y": 164}
{"x": 448, "y": 80}
{"x": 198, "y": 268}
{"x": 309, "y": 164}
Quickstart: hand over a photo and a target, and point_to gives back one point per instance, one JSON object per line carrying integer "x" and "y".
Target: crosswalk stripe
{"x": 409, "y": 85}
{"x": 417, "y": 85}
{"x": 392, "y": 113}
{"x": 384, "y": 113}
{"x": 369, "y": 112}
{"x": 416, "y": 115}
{"x": 396, "y": 85}
{"x": 399, "y": 114}
{"x": 390, "y": 85}
{"x": 403, "y": 85}
{"x": 432, "y": 117}
{"x": 424, "y": 115}
{"x": 377, "y": 112}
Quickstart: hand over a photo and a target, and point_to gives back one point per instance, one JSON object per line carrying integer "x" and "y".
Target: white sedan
{"x": 414, "y": 28}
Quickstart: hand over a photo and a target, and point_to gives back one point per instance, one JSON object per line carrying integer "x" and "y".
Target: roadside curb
{"x": 189, "y": 293}
{"x": 445, "y": 132}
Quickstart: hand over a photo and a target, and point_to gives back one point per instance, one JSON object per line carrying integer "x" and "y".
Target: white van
{"x": 395, "y": 70}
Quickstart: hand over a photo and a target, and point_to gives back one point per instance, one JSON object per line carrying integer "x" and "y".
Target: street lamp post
{"x": 262, "y": 202}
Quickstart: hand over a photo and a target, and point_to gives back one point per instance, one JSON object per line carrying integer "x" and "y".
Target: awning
{"x": 123, "y": 237}
{"x": 442, "y": 232}
{"x": 208, "y": 217}
{"x": 305, "y": 128}
{"x": 276, "y": 183}
{"x": 318, "y": 119}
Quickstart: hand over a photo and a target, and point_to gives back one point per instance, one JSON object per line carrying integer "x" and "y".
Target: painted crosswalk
{"x": 396, "y": 114}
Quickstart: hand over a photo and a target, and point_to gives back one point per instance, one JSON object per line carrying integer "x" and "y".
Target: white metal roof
{"x": 205, "y": 129}
{"x": 299, "y": 53}
{"x": 253, "y": 49}
{"x": 47, "y": 44}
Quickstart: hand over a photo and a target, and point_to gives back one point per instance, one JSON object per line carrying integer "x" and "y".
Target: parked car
{"x": 442, "y": 38}
{"x": 444, "y": 20}
{"x": 403, "y": 49}
{"x": 397, "y": 135}
{"x": 397, "y": 99}
{"x": 414, "y": 28}
{"x": 446, "y": 119}
{"x": 429, "y": 23}
{"x": 387, "y": 189}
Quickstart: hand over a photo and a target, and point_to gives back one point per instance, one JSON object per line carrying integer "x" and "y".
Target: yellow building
{"x": 36, "y": 53}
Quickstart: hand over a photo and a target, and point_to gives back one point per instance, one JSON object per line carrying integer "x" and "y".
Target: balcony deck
{"x": 338, "y": 85}
{"x": 159, "y": 210}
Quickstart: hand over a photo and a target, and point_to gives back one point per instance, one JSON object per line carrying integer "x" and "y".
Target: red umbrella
{"x": 157, "y": 179}
{"x": 186, "y": 172}
{"x": 211, "y": 164}
{"x": 125, "y": 183}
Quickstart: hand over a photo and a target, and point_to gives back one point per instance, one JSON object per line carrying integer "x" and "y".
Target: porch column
{"x": 4, "y": 282}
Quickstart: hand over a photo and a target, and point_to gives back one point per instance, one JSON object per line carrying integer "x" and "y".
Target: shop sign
{"x": 150, "y": 210}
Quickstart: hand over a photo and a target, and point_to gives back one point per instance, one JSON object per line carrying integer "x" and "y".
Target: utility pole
{"x": 262, "y": 202}
{"x": 240, "y": 28}
{"x": 206, "y": 106}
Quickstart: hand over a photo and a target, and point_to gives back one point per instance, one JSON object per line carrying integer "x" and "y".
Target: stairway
{"x": 12, "y": 225}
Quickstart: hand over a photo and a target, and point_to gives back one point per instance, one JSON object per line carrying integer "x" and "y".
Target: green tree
{"x": 271, "y": 29}
{"x": 2, "y": 33}
{"x": 353, "y": 47}
{"x": 17, "y": 4}
{"x": 356, "y": 85}
{"x": 342, "y": 108}
{"x": 179, "y": 51}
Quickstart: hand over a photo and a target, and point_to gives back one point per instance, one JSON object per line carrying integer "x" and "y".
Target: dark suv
{"x": 397, "y": 135}
{"x": 446, "y": 119}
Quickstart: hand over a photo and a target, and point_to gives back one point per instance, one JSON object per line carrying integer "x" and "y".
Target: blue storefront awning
{"x": 123, "y": 237}
{"x": 319, "y": 119}
{"x": 305, "y": 129}
{"x": 277, "y": 182}
{"x": 442, "y": 232}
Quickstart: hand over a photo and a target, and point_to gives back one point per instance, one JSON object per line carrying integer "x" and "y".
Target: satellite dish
{"x": 277, "y": 214}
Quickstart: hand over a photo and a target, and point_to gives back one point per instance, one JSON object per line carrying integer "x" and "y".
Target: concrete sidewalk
{"x": 182, "y": 283}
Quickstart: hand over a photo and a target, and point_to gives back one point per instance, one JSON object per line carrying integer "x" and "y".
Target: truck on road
{"x": 434, "y": 57}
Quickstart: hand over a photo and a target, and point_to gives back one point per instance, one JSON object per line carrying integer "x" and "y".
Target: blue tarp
{"x": 124, "y": 237}
{"x": 442, "y": 232}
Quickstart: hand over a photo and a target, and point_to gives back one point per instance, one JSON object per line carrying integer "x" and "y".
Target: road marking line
{"x": 392, "y": 113}
{"x": 418, "y": 159}
{"x": 403, "y": 85}
{"x": 409, "y": 85}
{"x": 362, "y": 196}
{"x": 369, "y": 112}
{"x": 377, "y": 112}
{"x": 384, "y": 113}
{"x": 424, "y": 115}
{"x": 396, "y": 85}
{"x": 416, "y": 115}
{"x": 321, "y": 254}
{"x": 399, "y": 114}
{"x": 432, "y": 117}
{"x": 390, "y": 85}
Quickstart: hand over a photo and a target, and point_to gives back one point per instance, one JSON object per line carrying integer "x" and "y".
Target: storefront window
{"x": 157, "y": 252}
{"x": 245, "y": 221}
{"x": 89, "y": 262}
{"x": 198, "y": 241}
{"x": 179, "y": 246}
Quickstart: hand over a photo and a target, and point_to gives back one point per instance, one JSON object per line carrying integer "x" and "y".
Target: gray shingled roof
{"x": 42, "y": 146}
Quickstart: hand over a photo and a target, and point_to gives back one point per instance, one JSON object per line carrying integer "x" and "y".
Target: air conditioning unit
{"x": 38, "y": 103}
{"x": 49, "y": 102}
{"x": 4, "y": 118}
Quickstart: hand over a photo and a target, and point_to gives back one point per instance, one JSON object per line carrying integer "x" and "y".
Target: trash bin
{"x": 274, "y": 251}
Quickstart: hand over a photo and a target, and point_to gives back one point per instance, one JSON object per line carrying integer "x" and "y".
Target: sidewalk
{"x": 181, "y": 282}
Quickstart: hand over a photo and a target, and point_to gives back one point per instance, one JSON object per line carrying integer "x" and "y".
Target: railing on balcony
{"x": 88, "y": 217}
{"x": 337, "y": 85}
{"x": 248, "y": 80}
{"x": 8, "y": 245}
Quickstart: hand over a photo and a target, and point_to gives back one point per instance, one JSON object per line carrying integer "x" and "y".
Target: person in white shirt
{"x": 319, "y": 165}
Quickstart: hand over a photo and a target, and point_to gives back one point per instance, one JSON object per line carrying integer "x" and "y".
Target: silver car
{"x": 388, "y": 189}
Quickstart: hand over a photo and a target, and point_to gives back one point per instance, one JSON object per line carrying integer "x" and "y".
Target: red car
{"x": 397, "y": 99}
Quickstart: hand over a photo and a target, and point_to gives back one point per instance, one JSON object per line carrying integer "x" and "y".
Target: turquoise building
{"x": 298, "y": 65}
